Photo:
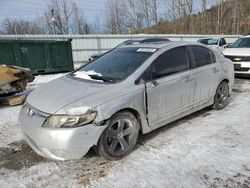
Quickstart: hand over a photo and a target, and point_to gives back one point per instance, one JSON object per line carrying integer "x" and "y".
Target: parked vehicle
{"x": 239, "y": 53}
{"x": 134, "y": 41}
{"x": 216, "y": 43}
{"x": 131, "y": 89}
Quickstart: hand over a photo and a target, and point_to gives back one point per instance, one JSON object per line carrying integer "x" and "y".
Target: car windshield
{"x": 241, "y": 43}
{"x": 210, "y": 41}
{"x": 116, "y": 65}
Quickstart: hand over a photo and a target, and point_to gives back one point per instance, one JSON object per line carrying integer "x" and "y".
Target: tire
{"x": 221, "y": 96}
{"x": 120, "y": 136}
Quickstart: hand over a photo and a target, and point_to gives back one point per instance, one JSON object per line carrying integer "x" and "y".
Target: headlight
{"x": 69, "y": 121}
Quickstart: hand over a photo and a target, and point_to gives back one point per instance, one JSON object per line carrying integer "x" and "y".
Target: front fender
{"x": 133, "y": 100}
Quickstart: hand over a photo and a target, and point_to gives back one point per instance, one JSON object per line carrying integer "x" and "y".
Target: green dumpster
{"x": 41, "y": 56}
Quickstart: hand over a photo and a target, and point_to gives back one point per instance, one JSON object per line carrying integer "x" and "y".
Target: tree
{"x": 204, "y": 4}
{"x": 186, "y": 10}
{"x": 116, "y": 18}
{"x": 222, "y": 8}
{"x": 20, "y": 26}
{"x": 134, "y": 14}
{"x": 97, "y": 26}
{"x": 64, "y": 17}
{"x": 79, "y": 25}
{"x": 150, "y": 9}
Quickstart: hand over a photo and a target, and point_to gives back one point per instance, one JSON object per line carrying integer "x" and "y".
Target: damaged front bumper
{"x": 57, "y": 143}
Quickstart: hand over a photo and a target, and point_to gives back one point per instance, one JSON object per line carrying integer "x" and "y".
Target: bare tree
{"x": 180, "y": 13}
{"x": 116, "y": 19}
{"x": 153, "y": 7}
{"x": 173, "y": 15}
{"x": 204, "y": 4}
{"x": 146, "y": 12}
{"x": 134, "y": 14}
{"x": 64, "y": 17}
{"x": 150, "y": 12}
{"x": 20, "y": 26}
{"x": 79, "y": 24}
{"x": 131, "y": 15}
{"x": 186, "y": 10}
{"x": 222, "y": 8}
{"x": 171, "y": 10}
{"x": 97, "y": 26}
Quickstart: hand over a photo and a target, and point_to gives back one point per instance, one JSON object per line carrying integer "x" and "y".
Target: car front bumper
{"x": 57, "y": 143}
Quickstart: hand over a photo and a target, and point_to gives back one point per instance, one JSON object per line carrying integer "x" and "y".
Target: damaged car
{"x": 128, "y": 91}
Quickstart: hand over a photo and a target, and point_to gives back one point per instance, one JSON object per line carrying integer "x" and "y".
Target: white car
{"x": 239, "y": 53}
{"x": 216, "y": 43}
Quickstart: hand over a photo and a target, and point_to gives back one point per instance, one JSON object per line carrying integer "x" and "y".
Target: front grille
{"x": 243, "y": 69}
{"x": 237, "y": 67}
{"x": 238, "y": 58}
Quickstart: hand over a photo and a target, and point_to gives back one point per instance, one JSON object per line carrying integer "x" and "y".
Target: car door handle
{"x": 215, "y": 70}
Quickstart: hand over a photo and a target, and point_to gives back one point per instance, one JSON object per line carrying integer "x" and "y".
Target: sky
{"x": 30, "y": 9}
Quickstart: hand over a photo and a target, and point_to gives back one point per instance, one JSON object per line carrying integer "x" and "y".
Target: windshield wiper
{"x": 98, "y": 77}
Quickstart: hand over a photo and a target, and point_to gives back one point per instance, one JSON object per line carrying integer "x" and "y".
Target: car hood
{"x": 53, "y": 96}
{"x": 237, "y": 52}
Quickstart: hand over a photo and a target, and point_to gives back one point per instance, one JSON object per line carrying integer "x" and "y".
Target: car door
{"x": 170, "y": 92}
{"x": 207, "y": 74}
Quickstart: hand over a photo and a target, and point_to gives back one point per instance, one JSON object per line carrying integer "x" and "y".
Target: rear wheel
{"x": 221, "y": 96}
{"x": 120, "y": 137}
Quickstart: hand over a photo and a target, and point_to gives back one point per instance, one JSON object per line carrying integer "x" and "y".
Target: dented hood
{"x": 59, "y": 93}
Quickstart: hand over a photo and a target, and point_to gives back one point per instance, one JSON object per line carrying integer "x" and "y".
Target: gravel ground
{"x": 206, "y": 149}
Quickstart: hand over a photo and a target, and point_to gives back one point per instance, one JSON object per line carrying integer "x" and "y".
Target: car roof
{"x": 159, "y": 45}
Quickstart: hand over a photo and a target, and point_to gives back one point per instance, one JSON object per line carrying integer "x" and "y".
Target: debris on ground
{"x": 13, "y": 83}
{"x": 16, "y": 99}
{"x": 14, "y": 79}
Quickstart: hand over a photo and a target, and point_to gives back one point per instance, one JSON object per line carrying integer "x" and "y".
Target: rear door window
{"x": 202, "y": 56}
{"x": 172, "y": 61}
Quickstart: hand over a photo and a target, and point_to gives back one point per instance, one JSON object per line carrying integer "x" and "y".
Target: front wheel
{"x": 120, "y": 136}
{"x": 221, "y": 96}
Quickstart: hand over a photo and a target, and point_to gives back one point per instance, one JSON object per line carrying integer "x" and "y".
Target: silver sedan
{"x": 130, "y": 90}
